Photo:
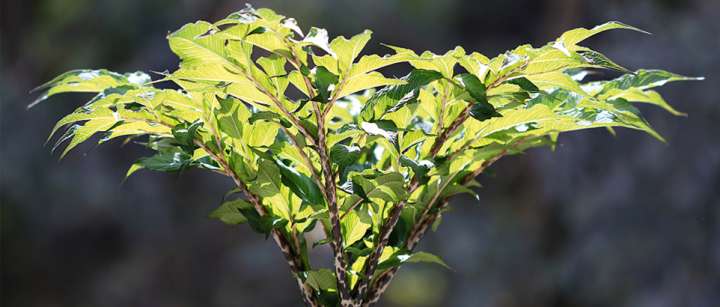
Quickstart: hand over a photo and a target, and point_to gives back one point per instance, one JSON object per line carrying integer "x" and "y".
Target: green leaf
{"x": 347, "y": 50}
{"x": 419, "y": 168}
{"x": 600, "y": 60}
{"x": 241, "y": 168}
{"x": 302, "y": 185}
{"x": 211, "y": 77}
{"x": 645, "y": 79}
{"x": 525, "y": 84}
{"x": 401, "y": 257}
{"x": 344, "y": 155}
{"x": 89, "y": 81}
{"x": 354, "y": 227}
{"x": 323, "y": 80}
{"x": 319, "y": 38}
{"x": 274, "y": 67}
{"x": 393, "y": 97}
{"x": 476, "y": 64}
{"x": 133, "y": 168}
{"x": 269, "y": 186}
{"x": 171, "y": 161}
{"x": 83, "y": 132}
{"x": 321, "y": 280}
{"x": 230, "y": 117}
{"x": 387, "y": 187}
{"x": 261, "y": 133}
{"x": 419, "y": 257}
{"x": 556, "y": 79}
{"x": 571, "y": 38}
{"x": 637, "y": 95}
{"x": 195, "y": 46}
{"x": 230, "y": 212}
{"x": 186, "y": 133}
{"x": 360, "y": 82}
{"x": 481, "y": 109}
{"x": 473, "y": 86}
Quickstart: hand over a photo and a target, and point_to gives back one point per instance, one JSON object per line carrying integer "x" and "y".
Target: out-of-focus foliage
{"x": 315, "y": 136}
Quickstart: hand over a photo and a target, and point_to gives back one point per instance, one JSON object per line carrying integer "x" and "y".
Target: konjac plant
{"x": 314, "y": 137}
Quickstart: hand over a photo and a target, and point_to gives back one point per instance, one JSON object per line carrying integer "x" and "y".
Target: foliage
{"x": 314, "y": 136}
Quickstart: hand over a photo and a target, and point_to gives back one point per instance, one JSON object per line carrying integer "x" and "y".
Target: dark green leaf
{"x": 402, "y": 257}
{"x": 241, "y": 168}
{"x": 344, "y": 155}
{"x": 230, "y": 212}
{"x": 323, "y": 79}
{"x": 391, "y": 98}
{"x": 186, "y": 133}
{"x": 474, "y": 87}
{"x": 302, "y": 185}
{"x": 524, "y": 84}
{"x": 598, "y": 59}
{"x": 166, "y": 161}
{"x": 419, "y": 168}
{"x": 483, "y": 111}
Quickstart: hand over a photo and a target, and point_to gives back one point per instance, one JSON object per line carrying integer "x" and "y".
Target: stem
{"x": 330, "y": 190}
{"x": 340, "y": 263}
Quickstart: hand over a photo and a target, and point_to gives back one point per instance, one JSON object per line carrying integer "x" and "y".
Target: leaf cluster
{"x": 315, "y": 136}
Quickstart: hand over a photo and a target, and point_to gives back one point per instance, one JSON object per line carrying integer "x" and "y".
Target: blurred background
{"x": 602, "y": 221}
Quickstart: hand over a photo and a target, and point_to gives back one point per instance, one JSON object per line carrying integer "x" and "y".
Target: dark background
{"x": 603, "y": 221}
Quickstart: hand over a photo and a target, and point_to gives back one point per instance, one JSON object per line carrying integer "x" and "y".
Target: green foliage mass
{"x": 316, "y": 138}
